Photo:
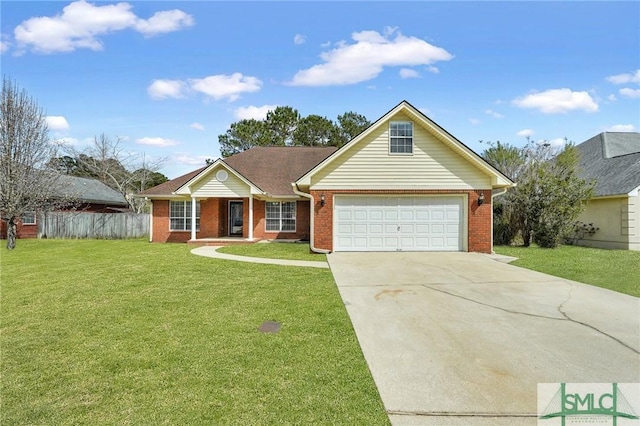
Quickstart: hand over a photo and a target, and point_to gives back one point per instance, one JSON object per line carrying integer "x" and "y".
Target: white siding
{"x": 433, "y": 165}
{"x": 210, "y": 187}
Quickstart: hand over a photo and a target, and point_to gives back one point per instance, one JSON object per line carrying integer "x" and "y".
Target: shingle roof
{"x": 270, "y": 168}
{"x": 90, "y": 191}
{"x": 169, "y": 186}
{"x": 274, "y": 168}
{"x": 613, "y": 160}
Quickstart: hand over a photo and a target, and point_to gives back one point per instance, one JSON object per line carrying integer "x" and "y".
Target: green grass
{"x": 617, "y": 270}
{"x": 128, "y": 332}
{"x": 292, "y": 251}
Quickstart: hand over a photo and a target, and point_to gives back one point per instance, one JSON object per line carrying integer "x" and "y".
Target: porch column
{"x": 193, "y": 217}
{"x": 250, "y": 216}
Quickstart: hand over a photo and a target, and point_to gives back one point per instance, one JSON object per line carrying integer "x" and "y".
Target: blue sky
{"x": 169, "y": 77}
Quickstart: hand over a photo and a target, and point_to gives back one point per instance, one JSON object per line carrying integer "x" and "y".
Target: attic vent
{"x": 222, "y": 175}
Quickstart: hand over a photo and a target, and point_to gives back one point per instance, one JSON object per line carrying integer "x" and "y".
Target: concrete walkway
{"x": 212, "y": 251}
{"x": 464, "y": 339}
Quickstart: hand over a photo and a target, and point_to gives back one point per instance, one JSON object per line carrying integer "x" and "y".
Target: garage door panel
{"x": 360, "y": 214}
{"x": 375, "y": 214}
{"x": 391, "y": 215}
{"x": 388, "y": 223}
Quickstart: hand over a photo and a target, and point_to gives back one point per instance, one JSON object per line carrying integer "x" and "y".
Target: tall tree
{"x": 315, "y": 130}
{"x": 281, "y": 123}
{"x": 284, "y": 126}
{"x": 549, "y": 196}
{"x": 350, "y": 125}
{"x": 26, "y": 184}
{"x": 243, "y": 135}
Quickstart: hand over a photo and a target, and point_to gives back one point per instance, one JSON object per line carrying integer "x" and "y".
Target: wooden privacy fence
{"x": 93, "y": 225}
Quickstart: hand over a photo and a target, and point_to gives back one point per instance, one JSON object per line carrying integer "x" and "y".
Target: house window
{"x": 29, "y": 218}
{"x": 401, "y": 137}
{"x": 281, "y": 216}
{"x": 180, "y": 215}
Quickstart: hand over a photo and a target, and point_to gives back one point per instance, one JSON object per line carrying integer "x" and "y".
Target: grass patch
{"x": 617, "y": 270}
{"x": 291, "y": 251}
{"x": 128, "y": 332}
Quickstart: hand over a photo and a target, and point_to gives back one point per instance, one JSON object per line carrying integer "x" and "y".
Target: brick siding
{"x": 214, "y": 221}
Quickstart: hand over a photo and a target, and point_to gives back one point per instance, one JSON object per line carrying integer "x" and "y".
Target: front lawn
{"x": 128, "y": 332}
{"x": 292, "y": 251}
{"x": 617, "y": 270}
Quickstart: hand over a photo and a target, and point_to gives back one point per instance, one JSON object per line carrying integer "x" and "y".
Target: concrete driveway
{"x": 459, "y": 338}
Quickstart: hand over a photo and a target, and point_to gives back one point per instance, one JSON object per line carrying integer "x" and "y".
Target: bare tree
{"x": 108, "y": 161}
{"x": 26, "y": 184}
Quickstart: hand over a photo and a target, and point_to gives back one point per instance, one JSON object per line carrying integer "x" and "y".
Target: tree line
{"x": 284, "y": 126}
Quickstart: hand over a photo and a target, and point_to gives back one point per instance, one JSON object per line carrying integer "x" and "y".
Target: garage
{"x": 397, "y": 223}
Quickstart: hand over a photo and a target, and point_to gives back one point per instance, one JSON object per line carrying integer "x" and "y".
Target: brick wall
{"x": 302, "y": 222}
{"x": 478, "y": 217}
{"x": 214, "y": 221}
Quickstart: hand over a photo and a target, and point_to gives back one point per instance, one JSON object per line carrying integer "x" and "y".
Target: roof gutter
{"x": 297, "y": 191}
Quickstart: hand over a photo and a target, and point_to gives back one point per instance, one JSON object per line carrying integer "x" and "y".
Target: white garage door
{"x": 398, "y": 223}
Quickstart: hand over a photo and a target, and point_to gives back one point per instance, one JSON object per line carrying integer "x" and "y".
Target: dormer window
{"x": 401, "y": 137}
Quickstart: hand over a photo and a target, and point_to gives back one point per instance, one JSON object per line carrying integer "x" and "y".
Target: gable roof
{"x": 274, "y": 168}
{"x": 89, "y": 191}
{"x": 498, "y": 178}
{"x": 271, "y": 169}
{"x": 612, "y": 159}
{"x": 170, "y": 186}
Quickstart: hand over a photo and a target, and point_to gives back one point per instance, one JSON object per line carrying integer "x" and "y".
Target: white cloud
{"x": 433, "y": 70}
{"x": 161, "y": 142}
{"x": 493, "y": 113}
{"x": 257, "y": 113}
{"x": 191, "y": 160}
{"x": 80, "y": 25}
{"x": 474, "y": 121}
{"x": 162, "y": 22}
{"x": 612, "y": 98}
{"x": 299, "y": 39}
{"x": 555, "y": 143}
{"x": 162, "y": 89}
{"x": 408, "y": 73}
{"x": 197, "y": 126}
{"x": 622, "y": 128}
{"x": 630, "y": 93}
{"x": 226, "y": 86}
{"x": 366, "y": 58}
{"x": 220, "y": 86}
{"x": 68, "y": 141}
{"x": 4, "y": 46}
{"x": 625, "y": 78}
{"x": 557, "y": 101}
{"x": 525, "y": 132}
{"x": 325, "y": 44}
{"x": 57, "y": 122}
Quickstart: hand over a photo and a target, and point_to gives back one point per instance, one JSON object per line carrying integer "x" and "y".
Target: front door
{"x": 235, "y": 218}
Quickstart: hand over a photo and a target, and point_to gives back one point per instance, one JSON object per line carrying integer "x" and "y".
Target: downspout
{"x": 494, "y": 195}
{"x": 146, "y": 199}
{"x": 312, "y": 203}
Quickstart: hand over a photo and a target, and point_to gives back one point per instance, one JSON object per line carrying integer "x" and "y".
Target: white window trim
{"x": 405, "y": 137}
{"x": 295, "y": 216}
{"x": 35, "y": 219}
{"x": 187, "y": 215}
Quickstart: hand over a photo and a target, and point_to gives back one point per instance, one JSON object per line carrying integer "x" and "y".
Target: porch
{"x": 221, "y": 241}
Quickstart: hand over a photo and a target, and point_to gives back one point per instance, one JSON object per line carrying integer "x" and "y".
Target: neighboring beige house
{"x": 613, "y": 160}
